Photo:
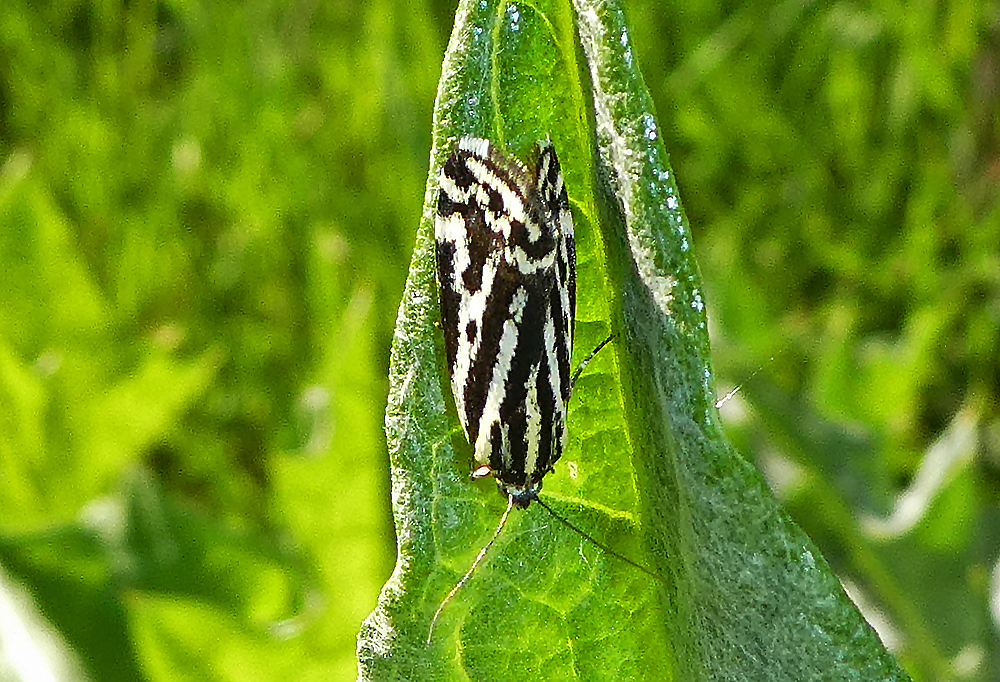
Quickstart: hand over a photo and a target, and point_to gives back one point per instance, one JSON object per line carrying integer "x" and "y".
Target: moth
{"x": 506, "y": 268}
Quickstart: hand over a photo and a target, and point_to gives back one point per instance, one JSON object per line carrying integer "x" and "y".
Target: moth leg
{"x": 590, "y": 356}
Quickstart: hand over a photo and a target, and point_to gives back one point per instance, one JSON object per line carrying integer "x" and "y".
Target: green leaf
{"x": 151, "y": 577}
{"x": 72, "y": 424}
{"x": 744, "y": 594}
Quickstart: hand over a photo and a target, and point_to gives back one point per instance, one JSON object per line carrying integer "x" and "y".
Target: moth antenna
{"x": 594, "y": 540}
{"x": 590, "y": 356}
{"x": 726, "y": 398}
{"x": 468, "y": 574}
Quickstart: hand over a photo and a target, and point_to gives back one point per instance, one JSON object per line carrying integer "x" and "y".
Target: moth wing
{"x": 482, "y": 194}
{"x": 506, "y": 268}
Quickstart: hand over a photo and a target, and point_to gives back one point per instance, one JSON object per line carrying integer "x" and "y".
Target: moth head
{"x": 520, "y": 495}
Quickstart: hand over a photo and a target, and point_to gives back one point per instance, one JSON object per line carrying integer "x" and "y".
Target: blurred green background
{"x": 206, "y": 217}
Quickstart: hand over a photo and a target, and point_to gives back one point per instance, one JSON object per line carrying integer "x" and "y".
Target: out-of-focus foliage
{"x": 206, "y": 215}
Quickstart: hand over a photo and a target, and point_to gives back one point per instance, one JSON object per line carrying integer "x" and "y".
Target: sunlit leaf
{"x": 744, "y": 594}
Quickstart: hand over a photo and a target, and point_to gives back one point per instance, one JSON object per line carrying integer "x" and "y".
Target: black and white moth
{"x": 506, "y": 267}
